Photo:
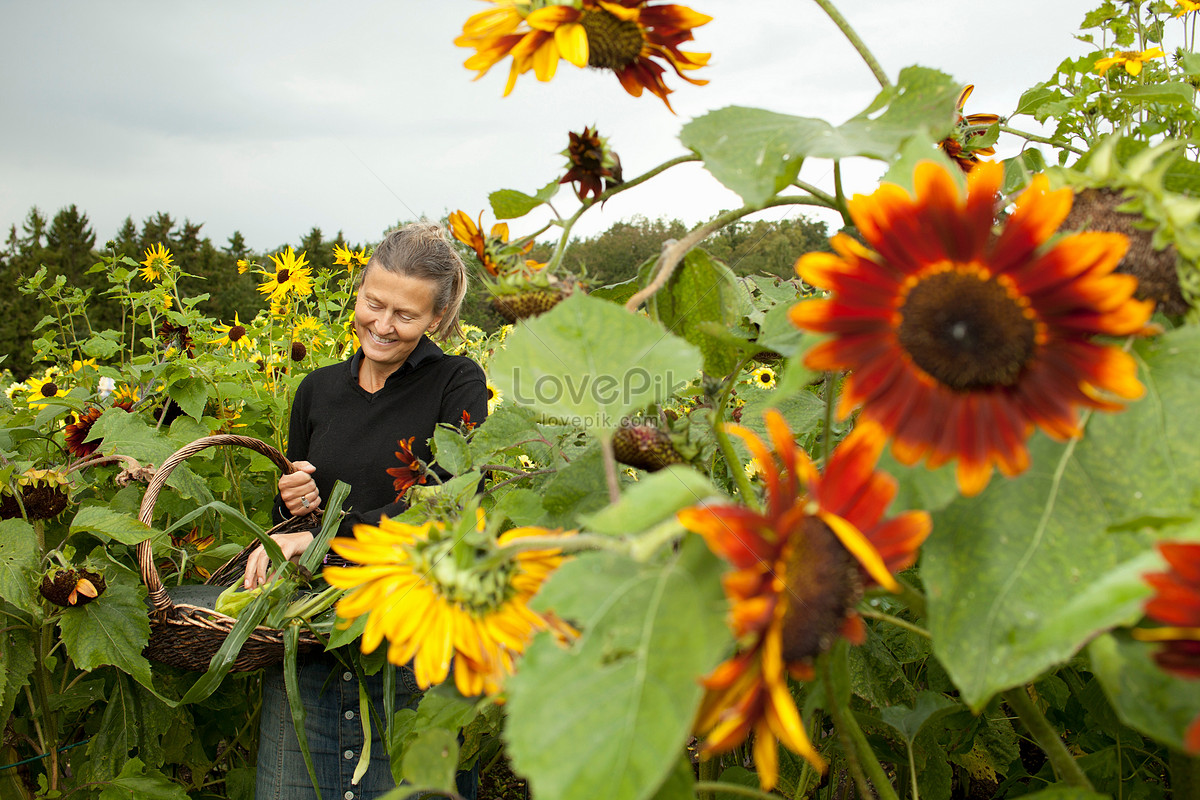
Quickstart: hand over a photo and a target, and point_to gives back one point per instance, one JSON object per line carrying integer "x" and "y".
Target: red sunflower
{"x": 78, "y": 432}
{"x": 410, "y": 472}
{"x": 799, "y": 568}
{"x": 960, "y": 341}
{"x": 1176, "y": 605}
{"x": 958, "y": 144}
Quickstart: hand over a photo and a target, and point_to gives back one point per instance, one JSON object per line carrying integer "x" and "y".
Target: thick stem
{"x": 709, "y": 770}
{"x": 610, "y": 468}
{"x": 860, "y": 758}
{"x": 859, "y": 45}
{"x": 1065, "y": 766}
{"x": 871, "y": 613}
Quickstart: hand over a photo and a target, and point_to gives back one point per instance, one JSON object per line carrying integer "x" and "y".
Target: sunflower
{"x": 43, "y": 388}
{"x": 79, "y": 432}
{"x": 177, "y": 337}
{"x": 494, "y": 397}
{"x": 960, "y": 341}
{"x": 243, "y": 266}
{"x": 233, "y": 335}
{"x": 624, "y": 36}
{"x": 1176, "y": 605}
{"x": 493, "y": 250}
{"x": 592, "y": 166}
{"x": 158, "y": 258}
{"x": 1132, "y": 60}
{"x": 958, "y": 144}
{"x": 1186, "y": 7}
{"x": 342, "y": 255}
{"x": 799, "y": 568}
{"x": 410, "y": 472}
{"x": 763, "y": 378}
{"x": 434, "y": 610}
{"x": 292, "y": 277}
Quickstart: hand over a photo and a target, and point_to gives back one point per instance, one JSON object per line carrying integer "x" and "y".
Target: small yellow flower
{"x": 342, "y": 255}
{"x": 753, "y": 469}
{"x": 525, "y": 461}
{"x": 1132, "y": 60}
{"x": 13, "y": 388}
{"x": 764, "y": 378}
{"x": 158, "y": 258}
{"x": 243, "y": 265}
{"x": 495, "y": 397}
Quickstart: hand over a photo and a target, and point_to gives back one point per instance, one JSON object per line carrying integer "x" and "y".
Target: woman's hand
{"x": 298, "y": 490}
{"x": 293, "y": 546}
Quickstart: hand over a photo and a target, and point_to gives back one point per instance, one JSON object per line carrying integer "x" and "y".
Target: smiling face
{"x": 391, "y": 315}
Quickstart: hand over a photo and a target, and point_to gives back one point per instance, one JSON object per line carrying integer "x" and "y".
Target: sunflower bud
{"x": 589, "y": 160}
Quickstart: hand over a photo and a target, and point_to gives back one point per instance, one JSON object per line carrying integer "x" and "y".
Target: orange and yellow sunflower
{"x": 493, "y": 250}
{"x": 799, "y": 568}
{"x": 971, "y": 126}
{"x": 958, "y": 340}
{"x": 410, "y": 472}
{"x": 628, "y": 37}
{"x": 432, "y": 609}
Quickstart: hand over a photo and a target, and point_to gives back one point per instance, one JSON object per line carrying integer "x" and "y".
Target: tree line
{"x": 67, "y": 245}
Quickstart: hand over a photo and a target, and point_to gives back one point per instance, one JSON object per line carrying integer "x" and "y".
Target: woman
{"x": 345, "y": 424}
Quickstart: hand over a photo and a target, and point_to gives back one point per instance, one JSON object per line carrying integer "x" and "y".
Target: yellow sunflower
{"x": 494, "y": 397}
{"x": 342, "y": 255}
{"x": 433, "y": 610}
{"x": 292, "y": 277}
{"x": 43, "y": 388}
{"x": 1132, "y": 60}
{"x": 1186, "y": 7}
{"x": 625, "y": 36}
{"x": 763, "y": 378}
{"x": 233, "y": 335}
{"x": 158, "y": 258}
{"x": 243, "y": 265}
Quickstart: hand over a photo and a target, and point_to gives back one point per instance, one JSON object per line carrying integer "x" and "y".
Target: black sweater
{"x": 350, "y": 434}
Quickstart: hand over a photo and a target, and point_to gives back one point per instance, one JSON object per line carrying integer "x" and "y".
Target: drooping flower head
{"x": 44, "y": 494}
{"x": 628, "y": 37}
{"x": 958, "y": 144}
{"x": 1132, "y": 60}
{"x": 410, "y": 472}
{"x": 432, "y": 609}
{"x": 798, "y": 569}
{"x": 1176, "y": 606}
{"x": 292, "y": 277}
{"x": 959, "y": 341}
{"x": 497, "y": 255}
{"x": 158, "y": 259}
{"x": 592, "y": 166}
{"x": 178, "y": 337}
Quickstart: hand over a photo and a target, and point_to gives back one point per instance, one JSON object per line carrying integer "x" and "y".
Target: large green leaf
{"x": 511, "y": 204}
{"x": 652, "y": 500}
{"x": 577, "y": 489}
{"x": 105, "y": 523}
{"x": 1145, "y": 697}
{"x": 112, "y": 629}
{"x": 18, "y": 563}
{"x": 134, "y": 720}
{"x": 758, "y": 153}
{"x": 591, "y": 362}
{"x": 136, "y": 780}
{"x": 702, "y": 290}
{"x": 129, "y": 435}
{"x": 615, "y": 709}
{"x": 16, "y": 664}
{"x": 1023, "y": 575}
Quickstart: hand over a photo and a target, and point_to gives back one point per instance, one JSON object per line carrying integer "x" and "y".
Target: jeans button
{"x": 349, "y": 795}
{"x": 349, "y": 754}
{"x": 347, "y": 676}
{"x": 349, "y": 715}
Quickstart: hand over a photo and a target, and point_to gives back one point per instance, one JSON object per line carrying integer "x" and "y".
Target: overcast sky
{"x": 271, "y": 117}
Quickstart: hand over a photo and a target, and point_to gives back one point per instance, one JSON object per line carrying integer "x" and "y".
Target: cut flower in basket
{"x": 432, "y": 607}
{"x": 632, "y": 38}
{"x": 799, "y": 569}
{"x": 958, "y": 340}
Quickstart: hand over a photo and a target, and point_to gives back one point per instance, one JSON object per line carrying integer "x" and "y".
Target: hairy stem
{"x": 1065, "y": 766}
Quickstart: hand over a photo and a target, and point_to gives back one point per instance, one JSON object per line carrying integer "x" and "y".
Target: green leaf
{"x": 919, "y": 487}
{"x": 630, "y": 682}
{"x": 112, "y": 525}
{"x": 511, "y": 204}
{"x": 136, "y": 780}
{"x": 431, "y": 760}
{"x": 702, "y": 290}
{"x": 1023, "y": 575}
{"x": 578, "y": 488}
{"x": 1035, "y": 98}
{"x": 913, "y": 151}
{"x": 112, "y": 629}
{"x": 758, "y": 153}
{"x": 1065, "y": 793}
{"x": 16, "y": 665}
{"x": 18, "y": 563}
{"x": 1145, "y": 697}
{"x": 450, "y": 450}
{"x": 679, "y": 783}
{"x": 504, "y": 429}
{"x": 591, "y": 362}
{"x": 908, "y": 722}
{"x": 191, "y": 394}
{"x": 1176, "y": 93}
{"x": 803, "y": 411}
{"x": 134, "y": 720}
{"x": 129, "y": 435}
{"x": 651, "y": 500}
{"x": 101, "y": 346}
{"x": 779, "y": 334}
{"x": 520, "y": 506}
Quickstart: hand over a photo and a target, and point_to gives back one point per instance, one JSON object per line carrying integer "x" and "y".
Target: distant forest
{"x": 67, "y": 246}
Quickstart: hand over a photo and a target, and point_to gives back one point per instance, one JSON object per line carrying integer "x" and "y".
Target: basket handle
{"x": 158, "y": 595}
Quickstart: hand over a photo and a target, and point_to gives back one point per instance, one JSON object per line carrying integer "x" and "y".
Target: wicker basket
{"x": 186, "y": 634}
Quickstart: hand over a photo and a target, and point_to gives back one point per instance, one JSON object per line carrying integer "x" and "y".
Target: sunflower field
{"x": 920, "y": 522}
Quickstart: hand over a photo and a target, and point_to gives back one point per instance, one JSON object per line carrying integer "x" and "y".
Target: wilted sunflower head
{"x": 44, "y": 494}
{"x": 592, "y": 167}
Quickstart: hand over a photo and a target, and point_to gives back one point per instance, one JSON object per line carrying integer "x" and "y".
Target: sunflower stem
{"x": 860, "y": 758}
{"x": 565, "y": 544}
{"x": 840, "y": 195}
{"x": 911, "y": 597}
{"x": 854, "y": 39}
{"x": 610, "y": 468}
{"x": 709, "y": 770}
{"x": 745, "y": 489}
{"x": 1065, "y": 766}
{"x": 709, "y": 788}
{"x": 1033, "y": 137}
{"x": 871, "y": 613}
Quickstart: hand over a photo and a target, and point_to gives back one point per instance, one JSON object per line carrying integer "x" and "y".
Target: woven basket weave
{"x": 186, "y": 634}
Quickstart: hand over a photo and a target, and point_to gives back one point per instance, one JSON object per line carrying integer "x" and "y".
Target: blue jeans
{"x": 335, "y": 735}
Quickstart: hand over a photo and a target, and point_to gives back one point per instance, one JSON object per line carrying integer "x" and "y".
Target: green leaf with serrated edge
{"x": 431, "y": 760}
{"x": 16, "y": 665}
{"x": 18, "y": 563}
{"x": 764, "y": 155}
{"x": 701, "y": 290}
{"x": 591, "y": 362}
{"x": 511, "y": 204}
{"x": 134, "y": 720}
{"x": 130, "y": 435}
{"x": 908, "y": 722}
{"x": 107, "y": 524}
{"x": 450, "y": 450}
{"x": 1013, "y": 576}
{"x": 144, "y": 783}
{"x": 578, "y": 488}
{"x": 1035, "y": 98}
{"x": 1145, "y": 697}
{"x": 631, "y": 680}
{"x": 112, "y": 629}
{"x": 191, "y": 394}
{"x": 651, "y": 500}
{"x": 507, "y": 427}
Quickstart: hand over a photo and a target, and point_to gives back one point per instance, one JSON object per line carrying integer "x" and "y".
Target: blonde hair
{"x": 421, "y": 250}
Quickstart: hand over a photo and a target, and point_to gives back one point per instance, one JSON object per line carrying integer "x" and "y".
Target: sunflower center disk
{"x": 612, "y": 43}
{"x": 283, "y": 275}
{"x": 966, "y": 331}
{"x": 821, "y": 586}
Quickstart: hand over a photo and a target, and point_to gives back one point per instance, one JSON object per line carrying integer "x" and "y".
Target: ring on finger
{"x": 304, "y": 501}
